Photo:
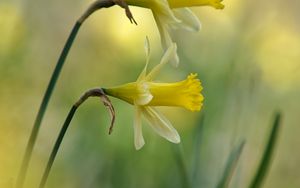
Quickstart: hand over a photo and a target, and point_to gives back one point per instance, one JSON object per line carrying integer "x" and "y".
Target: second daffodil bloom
{"x": 145, "y": 94}
{"x": 174, "y": 14}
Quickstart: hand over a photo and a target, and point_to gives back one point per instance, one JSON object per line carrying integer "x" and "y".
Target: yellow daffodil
{"x": 174, "y": 14}
{"x": 145, "y": 94}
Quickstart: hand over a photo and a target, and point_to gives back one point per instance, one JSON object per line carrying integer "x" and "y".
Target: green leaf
{"x": 268, "y": 153}
{"x": 231, "y": 165}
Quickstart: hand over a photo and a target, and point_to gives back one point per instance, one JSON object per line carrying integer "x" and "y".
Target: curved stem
{"x": 57, "y": 145}
{"x": 44, "y": 104}
{"x": 98, "y": 4}
{"x": 98, "y": 92}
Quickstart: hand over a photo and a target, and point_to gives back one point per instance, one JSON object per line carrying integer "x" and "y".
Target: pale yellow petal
{"x": 160, "y": 124}
{"x": 166, "y": 40}
{"x": 163, "y": 10}
{"x": 189, "y": 20}
{"x": 169, "y": 54}
{"x": 138, "y": 133}
{"x": 143, "y": 94}
{"x": 147, "y": 47}
{"x": 147, "y": 51}
{"x": 163, "y": 31}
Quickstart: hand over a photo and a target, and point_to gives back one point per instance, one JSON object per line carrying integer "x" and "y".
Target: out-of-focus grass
{"x": 247, "y": 57}
{"x": 230, "y": 166}
{"x": 267, "y": 156}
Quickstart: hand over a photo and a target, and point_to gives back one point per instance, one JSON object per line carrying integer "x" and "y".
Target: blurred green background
{"x": 247, "y": 57}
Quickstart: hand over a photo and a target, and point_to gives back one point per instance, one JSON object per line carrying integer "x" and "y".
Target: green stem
{"x": 98, "y": 4}
{"x": 44, "y": 104}
{"x": 57, "y": 145}
{"x": 97, "y": 92}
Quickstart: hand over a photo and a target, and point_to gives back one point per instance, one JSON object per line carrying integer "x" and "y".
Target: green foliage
{"x": 267, "y": 156}
{"x": 231, "y": 166}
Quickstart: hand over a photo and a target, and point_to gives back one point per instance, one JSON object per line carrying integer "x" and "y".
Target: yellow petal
{"x": 189, "y": 3}
{"x": 186, "y": 93}
{"x": 134, "y": 93}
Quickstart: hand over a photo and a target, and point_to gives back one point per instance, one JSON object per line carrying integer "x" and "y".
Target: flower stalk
{"x": 36, "y": 126}
{"x": 90, "y": 93}
{"x": 55, "y": 75}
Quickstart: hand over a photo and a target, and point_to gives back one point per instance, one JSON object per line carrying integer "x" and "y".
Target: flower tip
{"x": 139, "y": 145}
{"x": 199, "y": 27}
{"x": 175, "y": 139}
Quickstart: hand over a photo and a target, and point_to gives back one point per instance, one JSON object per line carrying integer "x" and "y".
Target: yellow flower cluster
{"x": 145, "y": 94}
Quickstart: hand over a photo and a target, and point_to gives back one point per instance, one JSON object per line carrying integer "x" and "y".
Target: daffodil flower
{"x": 174, "y": 14}
{"x": 145, "y": 94}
